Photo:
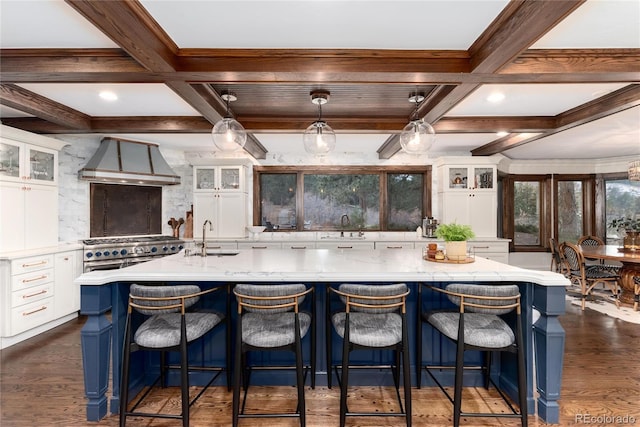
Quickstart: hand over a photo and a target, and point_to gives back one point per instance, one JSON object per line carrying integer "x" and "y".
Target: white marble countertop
{"x": 318, "y": 265}
{"x": 61, "y": 247}
{"x": 349, "y": 236}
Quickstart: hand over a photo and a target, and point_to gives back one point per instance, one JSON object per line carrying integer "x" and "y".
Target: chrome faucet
{"x": 204, "y": 233}
{"x": 344, "y": 222}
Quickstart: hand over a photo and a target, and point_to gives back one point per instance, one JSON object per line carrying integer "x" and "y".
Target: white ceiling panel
{"x": 11, "y": 112}
{"x": 615, "y": 135}
{"x": 597, "y": 24}
{"x": 53, "y": 25}
{"x": 531, "y": 100}
{"x": 143, "y": 99}
{"x": 348, "y": 24}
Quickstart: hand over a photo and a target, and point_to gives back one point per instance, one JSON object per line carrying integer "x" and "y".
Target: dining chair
{"x": 636, "y": 292}
{"x": 587, "y": 277}
{"x": 170, "y": 325}
{"x": 557, "y": 263}
{"x": 271, "y": 318}
{"x": 370, "y": 317}
{"x": 477, "y": 324}
{"x": 589, "y": 240}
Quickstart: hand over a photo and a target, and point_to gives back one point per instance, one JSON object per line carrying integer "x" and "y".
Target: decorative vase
{"x": 456, "y": 251}
{"x": 632, "y": 241}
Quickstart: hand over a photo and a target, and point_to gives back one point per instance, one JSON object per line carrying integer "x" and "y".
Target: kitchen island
{"x": 104, "y": 291}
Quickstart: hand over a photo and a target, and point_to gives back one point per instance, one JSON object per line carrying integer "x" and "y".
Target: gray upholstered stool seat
{"x": 382, "y": 330}
{"x": 480, "y": 330}
{"x": 273, "y": 330}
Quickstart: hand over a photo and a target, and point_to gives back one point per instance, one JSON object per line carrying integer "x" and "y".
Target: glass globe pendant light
{"x": 319, "y": 139}
{"x": 417, "y": 137}
{"x": 228, "y": 134}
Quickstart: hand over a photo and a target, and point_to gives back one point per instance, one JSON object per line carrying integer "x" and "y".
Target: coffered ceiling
{"x": 569, "y": 72}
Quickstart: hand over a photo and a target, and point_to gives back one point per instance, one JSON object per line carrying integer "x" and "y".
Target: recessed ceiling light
{"x": 495, "y": 97}
{"x": 108, "y": 95}
{"x": 501, "y": 134}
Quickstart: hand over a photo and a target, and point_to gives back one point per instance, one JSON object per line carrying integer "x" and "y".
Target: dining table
{"x": 630, "y": 269}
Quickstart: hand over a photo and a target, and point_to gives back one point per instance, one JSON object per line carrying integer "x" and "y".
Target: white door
{"x": 12, "y": 217}
{"x": 41, "y": 216}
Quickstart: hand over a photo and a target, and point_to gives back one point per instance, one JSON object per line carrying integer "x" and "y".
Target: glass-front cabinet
{"x": 22, "y": 162}
{"x": 468, "y": 177}
{"x": 219, "y": 178}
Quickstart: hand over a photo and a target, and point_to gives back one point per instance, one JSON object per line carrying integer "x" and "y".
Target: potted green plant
{"x": 631, "y": 226}
{"x": 455, "y": 238}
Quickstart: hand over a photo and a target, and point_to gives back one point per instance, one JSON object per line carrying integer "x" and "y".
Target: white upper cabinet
{"x": 28, "y": 190}
{"x": 27, "y": 163}
{"x": 219, "y": 178}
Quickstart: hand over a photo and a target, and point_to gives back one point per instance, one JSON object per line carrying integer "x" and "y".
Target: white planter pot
{"x": 456, "y": 251}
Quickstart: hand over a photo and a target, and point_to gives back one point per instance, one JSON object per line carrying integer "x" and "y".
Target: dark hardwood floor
{"x": 41, "y": 384}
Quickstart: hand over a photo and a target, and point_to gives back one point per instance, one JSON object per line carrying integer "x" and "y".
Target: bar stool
{"x": 477, "y": 325}
{"x": 372, "y": 317}
{"x": 270, "y": 318}
{"x": 168, "y": 327}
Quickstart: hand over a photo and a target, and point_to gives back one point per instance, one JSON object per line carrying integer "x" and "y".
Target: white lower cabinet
{"x": 68, "y": 266}
{"x": 36, "y": 291}
{"x": 493, "y": 250}
{"x": 259, "y": 245}
{"x": 345, "y": 245}
{"x": 395, "y": 245}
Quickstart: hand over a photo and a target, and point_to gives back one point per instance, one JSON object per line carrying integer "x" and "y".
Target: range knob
{"x": 165, "y": 249}
{"x": 107, "y": 253}
{"x": 98, "y": 254}
{"x": 123, "y": 252}
{"x": 154, "y": 249}
{"x": 180, "y": 247}
{"x": 89, "y": 254}
{"x": 114, "y": 253}
{"x": 173, "y": 248}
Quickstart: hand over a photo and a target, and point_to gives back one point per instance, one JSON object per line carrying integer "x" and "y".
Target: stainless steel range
{"x": 110, "y": 253}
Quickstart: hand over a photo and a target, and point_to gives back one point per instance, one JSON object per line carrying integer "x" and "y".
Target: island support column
{"x": 96, "y": 346}
{"x": 549, "y": 339}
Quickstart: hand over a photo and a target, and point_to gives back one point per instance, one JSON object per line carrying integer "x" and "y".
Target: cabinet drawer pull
{"x": 345, "y": 247}
{"x": 298, "y": 247}
{"x": 33, "y": 279}
{"x": 34, "y": 295}
{"x": 394, "y": 247}
{"x": 258, "y": 247}
{"x": 214, "y": 247}
{"x": 480, "y": 247}
{"x": 29, "y": 313}
{"x": 33, "y": 264}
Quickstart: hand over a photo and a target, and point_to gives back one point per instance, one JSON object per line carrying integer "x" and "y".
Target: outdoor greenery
{"x": 339, "y": 200}
{"x": 625, "y": 223}
{"x": 454, "y": 232}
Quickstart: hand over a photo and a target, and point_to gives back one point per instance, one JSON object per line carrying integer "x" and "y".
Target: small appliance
{"x": 429, "y": 226}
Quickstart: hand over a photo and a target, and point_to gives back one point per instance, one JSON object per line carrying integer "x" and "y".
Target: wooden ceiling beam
{"x": 23, "y": 100}
{"x": 114, "y": 65}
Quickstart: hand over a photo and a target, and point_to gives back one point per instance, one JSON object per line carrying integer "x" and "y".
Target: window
{"x": 342, "y": 198}
{"x": 526, "y": 210}
{"x": 622, "y": 199}
{"x": 526, "y": 213}
{"x": 574, "y": 207}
